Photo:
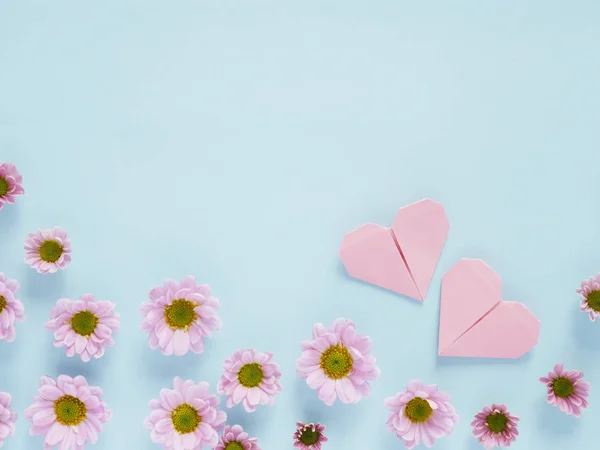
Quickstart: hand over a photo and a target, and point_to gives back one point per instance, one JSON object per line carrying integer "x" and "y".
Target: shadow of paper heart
{"x": 344, "y": 273}
{"x": 455, "y": 361}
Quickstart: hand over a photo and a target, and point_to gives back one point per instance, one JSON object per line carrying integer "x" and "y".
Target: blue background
{"x": 239, "y": 140}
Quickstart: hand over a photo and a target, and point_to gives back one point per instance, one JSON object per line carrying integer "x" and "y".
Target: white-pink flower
{"x": 179, "y": 316}
{"x": 250, "y": 378}
{"x": 10, "y": 183}
{"x": 235, "y": 438}
{"x": 186, "y": 417}
{"x": 47, "y": 251}
{"x": 495, "y": 426}
{"x": 420, "y": 414}
{"x": 68, "y": 412}
{"x": 7, "y": 417}
{"x": 590, "y": 297}
{"x": 85, "y": 327}
{"x": 11, "y": 309}
{"x": 338, "y": 363}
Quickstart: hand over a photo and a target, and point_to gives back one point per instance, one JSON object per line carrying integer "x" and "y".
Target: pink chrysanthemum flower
{"x": 68, "y": 412}
{"x": 10, "y": 183}
{"x": 11, "y": 309}
{"x": 309, "y": 436}
{"x": 186, "y": 417}
{"x": 495, "y": 426}
{"x": 567, "y": 390}
{"x": 590, "y": 293}
{"x": 337, "y": 362}
{"x": 47, "y": 251}
{"x": 421, "y": 414}
{"x": 7, "y": 417}
{"x": 250, "y": 378}
{"x": 179, "y": 316}
{"x": 235, "y": 438}
{"x": 85, "y": 327}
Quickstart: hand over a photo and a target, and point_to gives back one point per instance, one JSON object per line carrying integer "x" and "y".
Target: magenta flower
{"x": 590, "y": 293}
{"x": 85, "y": 327}
{"x": 495, "y": 427}
{"x": 567, "y": 390}
{"x": 10, "y": 183}
{"x": 68, "y": 412}
{"x": 235, "y": 438}
{"x": 337, "y": 363}
{"x": 309, "y": 436}
{"x": 421, "y": 414}
{"x": 11, "y": 309}
{"x": 186, "y": 417}
{"x": 7, "y": 417}
{"x": 250, "y": 378}
{"x": 179, "y": 316}
{"x": 47, "y": 251}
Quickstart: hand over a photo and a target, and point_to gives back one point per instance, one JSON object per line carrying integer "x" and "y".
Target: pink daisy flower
{"x": 186, "y": 417}
{"x": 179, "y": 316}
{"x": 7, "y": 417}
{"x": 250, "y": 378}
{"x": 10, "y": 183}
{"x": 235, "y": 438}
{"x": 85, "y": 327}
{"x": 309, "y": 436}
{"x": 11, "y": 309}
{"x": 590, "y": 293}
{"x": 337, "y": 362}
{"x": 68, "y": 412}
{"x": 567, "y": 390}
{"x": 495, "y": 427}
{"x": 421, "y": 414}
{"x": 47, "y": 251}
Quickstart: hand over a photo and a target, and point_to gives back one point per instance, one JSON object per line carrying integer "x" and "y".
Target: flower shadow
{"x": 253, "y": 423}
{"x": 452, "y": 361}
{"x": 38, "y": 286}
{"x": 9, "y": 215}
{"x": 314, "y": 410}
{"x": 555, "y": 423}
{"x": 583, "y": 330}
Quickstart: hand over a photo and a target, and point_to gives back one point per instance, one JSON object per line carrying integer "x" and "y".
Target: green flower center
{"x": 250, "y": 375}
{"x": 84, "y": 323}
{"x": 418, "y": 410}
{"x": 51, "y": 251}
{"x": 309, "y": 437}
{"x": 593, "y": 300}
{"x": 562, "y": 387}
{"x": 69, "y": 410}
{"x": 185, "y": 418}
{"x": 3, "y": 303}
{"x": 234, "y": 446}
{"x": 180, "y": 314}
{"x": 336, "y": 362}
{"x": 3, "y": 187}
{"x": 496, "y": 422}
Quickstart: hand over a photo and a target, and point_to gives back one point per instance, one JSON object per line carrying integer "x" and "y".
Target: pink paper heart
{"x": 475, "y": 321}
{"x": 401, "y": 258}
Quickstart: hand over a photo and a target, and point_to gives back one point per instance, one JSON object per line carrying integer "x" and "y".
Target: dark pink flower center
{"x": 308, "y": 436}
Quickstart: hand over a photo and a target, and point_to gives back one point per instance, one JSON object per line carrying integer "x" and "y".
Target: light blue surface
{"x": 239, "y": 140}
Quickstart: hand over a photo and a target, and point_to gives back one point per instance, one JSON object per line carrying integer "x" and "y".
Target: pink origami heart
{"x": 475, "y": 322}
{"x": 401, "y": 258}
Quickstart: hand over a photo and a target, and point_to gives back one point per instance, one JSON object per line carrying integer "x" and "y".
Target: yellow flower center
{"x": 51, "y": 251}
{"x": 180, "y": 314}
{"x": 336, "y": 362}
{"x": 185, "y": 418}
{"x": 69, "y": 410}
{"x": 418, "y": 410}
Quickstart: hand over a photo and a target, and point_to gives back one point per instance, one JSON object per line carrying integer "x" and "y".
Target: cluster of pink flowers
{"x": 179, "y": 316}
